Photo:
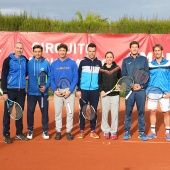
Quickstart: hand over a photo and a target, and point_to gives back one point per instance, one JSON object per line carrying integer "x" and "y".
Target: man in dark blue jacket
{"x": 88, "y": 87}
{"x": 13, "y": 83}
{"x": 129, "y": 66}
{"x": 37, "y": 65}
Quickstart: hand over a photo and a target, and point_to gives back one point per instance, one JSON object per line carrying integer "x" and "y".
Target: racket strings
{"x": 141, "y": 76}
{"x": 123, "y": 87}
{"x": 125, "y": 83}
{"x": 42, "y": 80}
{"x": 63, "y": 83}
{"x": 15, "y": 111}
{"x": 88, "y": 112}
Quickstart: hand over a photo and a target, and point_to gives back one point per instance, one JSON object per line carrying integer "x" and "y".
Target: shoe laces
{"x": 45, "y": 133}
{"x": 94, "y": 133}
{"x": 29, "y": 132}
{"x": 82, "y": 132}
{"x": 142, "y": 134}
{"x": 127, "y": 133}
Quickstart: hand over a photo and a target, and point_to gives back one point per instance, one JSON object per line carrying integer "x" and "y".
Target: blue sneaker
{"x": 142, "y": 136}
{"x": 152, "y": 136}
{"x": 167, "y": 136}
{"x": 126, "y": 135}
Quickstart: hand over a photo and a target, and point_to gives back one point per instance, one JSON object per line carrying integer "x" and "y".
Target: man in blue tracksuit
{"x": 13, "y": 83}
{"x": 88, "y": 87}
{"x": 159, "y": 77}
{"x": 138, "y": 96}
{"x": 35, "y": 66}
{"x": 64, "y": 70}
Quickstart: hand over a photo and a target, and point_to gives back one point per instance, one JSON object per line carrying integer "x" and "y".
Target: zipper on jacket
{"x": 91, "y": 75}
{"x": 20, "y": 74}
{"x": 37, "y": 68}
{"x": 9, "y": 80}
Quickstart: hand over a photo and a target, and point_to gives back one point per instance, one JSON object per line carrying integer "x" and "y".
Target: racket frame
{"x": 91, "y": 107}
{"x": 40, "y": 85}
{"x": 113, "y": 89}
{"x": 61, "y": 90}
{"x": 8, "y": 105}
{"x": 136, "y": 73}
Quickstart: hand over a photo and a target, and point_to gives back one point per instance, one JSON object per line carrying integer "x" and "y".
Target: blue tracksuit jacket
{"x": 160, "y": 74}
{"x": 89, "y": 74}
{"x": 14, "y": 73}
{"x": 34, "y": 69}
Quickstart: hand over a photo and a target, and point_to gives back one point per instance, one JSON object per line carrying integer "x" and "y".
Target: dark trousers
{"x": 19, "y": 97}
{"x": 139, "y": 97}
{"x": 31, "y": 104}
{"x": 91, "y": 96}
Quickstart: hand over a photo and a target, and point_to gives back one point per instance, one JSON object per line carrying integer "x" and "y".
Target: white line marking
{"x": 154, "y": 142}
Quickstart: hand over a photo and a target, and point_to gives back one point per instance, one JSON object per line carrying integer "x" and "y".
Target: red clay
{"x": 85, "y": 153}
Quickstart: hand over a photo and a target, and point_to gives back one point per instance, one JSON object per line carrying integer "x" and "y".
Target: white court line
{"x": 0, "y": 50}
{"x": 154, "y": 142}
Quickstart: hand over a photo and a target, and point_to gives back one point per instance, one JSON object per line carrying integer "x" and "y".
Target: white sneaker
{"x": 30, "y": 134}
{"x": 45, "y": 135}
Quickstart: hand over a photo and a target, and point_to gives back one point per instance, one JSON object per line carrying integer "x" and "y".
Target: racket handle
{"x": 42, "y": 102}
{"x": 82, "y": 100}
{"x": 108, "y": 92}
{"x": 128, "y": 95}
{"x": 68, "y": 106}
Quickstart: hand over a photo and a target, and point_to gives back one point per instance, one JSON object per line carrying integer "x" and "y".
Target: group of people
{"x": 88, "y": 81}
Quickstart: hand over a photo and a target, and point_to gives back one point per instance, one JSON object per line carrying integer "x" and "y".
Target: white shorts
{"x": 164, "y": 104}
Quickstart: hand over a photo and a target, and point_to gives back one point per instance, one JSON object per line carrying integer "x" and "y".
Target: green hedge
{"x": 91, "y": 24}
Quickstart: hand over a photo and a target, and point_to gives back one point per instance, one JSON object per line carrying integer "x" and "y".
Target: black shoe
{"x": 58, "y": 136}
{"x": 21, "y": 137}
{"x": 69, "y": 136}
{"x": 7, "y": 139}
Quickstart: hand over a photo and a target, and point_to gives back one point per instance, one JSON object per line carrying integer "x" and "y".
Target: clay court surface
{"x": 87, "y": 153}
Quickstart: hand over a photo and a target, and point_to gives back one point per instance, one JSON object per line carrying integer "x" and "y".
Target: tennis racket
{"x": 63, "y": 85}
{"x": 42, "y": 80}
{"x": 141, "y": 77}
{"x": 155, "y": 93}
{"x": 124, "y": 84}
{"x": 14, "y": 109}
{"x": 88, "y": 111}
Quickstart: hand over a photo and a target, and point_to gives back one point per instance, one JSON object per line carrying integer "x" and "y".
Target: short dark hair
{"x": 109, "y": 52}
{"x": 157, "y": 45}
{"x": 133, "y": 42}
{"x": 62, "y": 46}
{"x": 91, "y": 45}
{"x": 37, "y": 46}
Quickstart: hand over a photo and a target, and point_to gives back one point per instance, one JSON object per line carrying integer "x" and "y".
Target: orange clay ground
{"x": 87, "y": 153}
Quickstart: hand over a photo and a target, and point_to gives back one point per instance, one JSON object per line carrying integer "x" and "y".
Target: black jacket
{"x": 108, "y": 78}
